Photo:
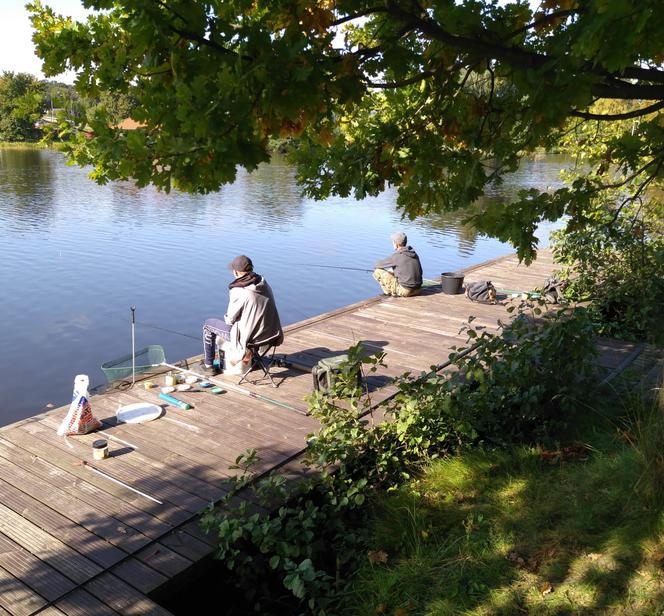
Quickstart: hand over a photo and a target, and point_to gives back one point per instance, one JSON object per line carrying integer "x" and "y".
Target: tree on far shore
{"x": 22, "y": 103}
{"x": 437, "y": 98}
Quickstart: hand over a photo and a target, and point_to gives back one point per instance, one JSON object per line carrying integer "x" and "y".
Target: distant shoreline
{"x": 28, "y": 145}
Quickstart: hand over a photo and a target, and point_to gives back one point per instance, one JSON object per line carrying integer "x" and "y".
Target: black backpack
{"x": 482, "y": 291}
{"x": 552, "y": 290}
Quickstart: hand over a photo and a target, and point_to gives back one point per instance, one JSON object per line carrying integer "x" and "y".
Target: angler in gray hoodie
{"x": 400, "y": 274}
{"x": 251, "y": 317}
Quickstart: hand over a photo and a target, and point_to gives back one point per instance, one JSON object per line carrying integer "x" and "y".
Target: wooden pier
{"x": 74, "y": 542}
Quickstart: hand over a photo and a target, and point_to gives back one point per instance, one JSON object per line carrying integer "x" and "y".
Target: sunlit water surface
{"x": 75, "y": 256}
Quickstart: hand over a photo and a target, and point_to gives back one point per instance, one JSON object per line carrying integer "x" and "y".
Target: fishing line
{"x": 152, "y": 326}
{"x": 339, "y": 267}
{"x": 429, "y": 281}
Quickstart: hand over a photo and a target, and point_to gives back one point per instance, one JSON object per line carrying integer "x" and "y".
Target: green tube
{"x": 175, "y": 402}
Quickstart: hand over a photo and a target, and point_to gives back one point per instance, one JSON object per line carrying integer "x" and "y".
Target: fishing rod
{"x": 358, "y": 269}
{"x": 530, "y": 294}
{"x": 133, "y": 345}
{"x": 235, "y": 388}
{"x": 339, "y": 267}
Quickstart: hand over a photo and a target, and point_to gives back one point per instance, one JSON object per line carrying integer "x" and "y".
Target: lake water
{"x": 75, "y": 256}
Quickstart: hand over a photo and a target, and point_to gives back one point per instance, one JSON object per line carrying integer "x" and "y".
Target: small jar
{"x": 170, "y": 380}
{"x": 100, "y": 449}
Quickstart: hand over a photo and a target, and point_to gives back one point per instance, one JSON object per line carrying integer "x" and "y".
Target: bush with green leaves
{"x": 617, "y": 264}
{"x": 524, "y": 384}
{"x": 306, "y": 537}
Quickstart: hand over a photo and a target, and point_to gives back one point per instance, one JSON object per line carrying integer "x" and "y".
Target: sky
{"x": 17, "y": 51}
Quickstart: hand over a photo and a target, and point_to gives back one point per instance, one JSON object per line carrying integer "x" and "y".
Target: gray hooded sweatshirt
{"x": 406, "y": 266}
{"x": 252, "y": 313}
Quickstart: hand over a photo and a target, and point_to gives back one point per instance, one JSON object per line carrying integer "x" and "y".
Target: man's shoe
{"x": 207, "y": 370}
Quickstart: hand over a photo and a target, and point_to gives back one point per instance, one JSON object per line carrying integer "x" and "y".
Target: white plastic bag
{"x": 79, "y": 419}
{"x": 234, "y": 364}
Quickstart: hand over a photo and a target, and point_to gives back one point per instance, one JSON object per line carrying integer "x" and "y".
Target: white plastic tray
{"x": 140, "y": 412}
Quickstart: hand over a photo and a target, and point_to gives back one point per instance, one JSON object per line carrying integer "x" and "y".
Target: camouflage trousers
{"x": 390, "y": 285}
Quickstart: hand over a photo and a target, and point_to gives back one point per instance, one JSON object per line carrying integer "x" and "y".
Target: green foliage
{"x": 116, "y": 106}
{"x": 617, "y": 263}
{"x": 440, "y": 100}
{"x": 21, "y": 105}
{"x": 526, "y": 382}
{"x": 612, "y": 248}
{"x": 299, "y": 534}
{"x": 517, "y": 385}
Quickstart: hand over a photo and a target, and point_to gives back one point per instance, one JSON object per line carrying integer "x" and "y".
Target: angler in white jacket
{"x": 251, "y": 317}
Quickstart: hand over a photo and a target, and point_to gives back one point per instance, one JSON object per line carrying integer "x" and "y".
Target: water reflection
{"x": 26, "y": 185}
{"x": 269, "y": 195}
{"x": 75, "y": 256}
{"x": 451, "y": 225}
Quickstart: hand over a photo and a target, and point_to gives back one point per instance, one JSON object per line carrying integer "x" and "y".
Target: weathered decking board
{"x": 73, "y": 542}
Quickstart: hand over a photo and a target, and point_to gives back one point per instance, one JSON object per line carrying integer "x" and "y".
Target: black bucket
{"x": 451, "y": 283}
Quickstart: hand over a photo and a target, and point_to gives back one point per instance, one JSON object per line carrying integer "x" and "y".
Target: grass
{"x": 578, "y": 529}
{"x": 30, "y": 145}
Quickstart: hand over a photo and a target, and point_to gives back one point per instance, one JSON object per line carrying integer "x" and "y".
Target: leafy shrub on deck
{"x": 617, "y": 264}
{"x": 519, "y": 384}
{"x": 525, "y": 383}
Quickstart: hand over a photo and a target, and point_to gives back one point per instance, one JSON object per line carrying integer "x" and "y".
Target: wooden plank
{"x": 158, "y": 463}
{"x": 187, "y": 545}
{"x": 452, "y": 315}
{"x": 343, "y": 332}
{"x": 39, "y": 576}
{"x": 16, "y": 597}
{"x": 292, "y": 397}
{"x": 456, "y": 310}
{"x": 109, "y": 528}
{"x": 204, "y": 450}
{"x": 163, "y": 560}
{"x": 57, "y": 451}
{"x": 236, "y": 407}
{"x": 327, "y": 315}
{"x": 449, "y": 327}
{"x": 122, "y": 597}
{"x": 132, "y": 518}
{"x": 82, "y": 603}
{"x": 420, "y": 329}
{"x": 54, "y": 552}
{"x": 211, "y": 438}
{"x": 124, "y": 469}
{"x": 274, "y": 445}
{"x": 76, "y": 536}
{"x": 51, "y": 611}
{"x": 139, "y": 575}
{"x": 230, "y": 414}
{"x": 269, "y": 420}
{"x": 194, "y": 529}
{"x": 177, "y": 487}
{"x": 399, "y": 346}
